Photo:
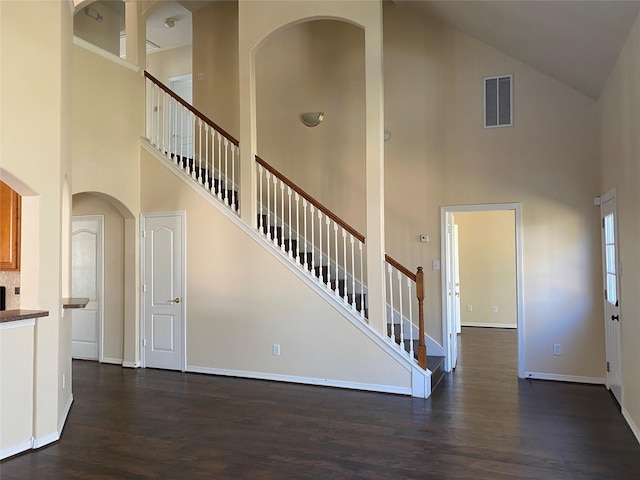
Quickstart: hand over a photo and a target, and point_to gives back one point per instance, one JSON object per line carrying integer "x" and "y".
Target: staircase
{"x": 315, "y": 240}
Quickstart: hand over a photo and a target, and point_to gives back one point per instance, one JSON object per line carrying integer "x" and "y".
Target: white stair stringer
{"x": 420, "y": 380}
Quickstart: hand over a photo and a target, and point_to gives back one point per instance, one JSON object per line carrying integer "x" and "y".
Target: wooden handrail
{"x": 312, "y": 200}
{"x": 404, "y": 270}
{"x": 195, "y": 111}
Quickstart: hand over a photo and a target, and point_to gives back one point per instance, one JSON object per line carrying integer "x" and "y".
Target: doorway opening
{"x": 482, "y": 246}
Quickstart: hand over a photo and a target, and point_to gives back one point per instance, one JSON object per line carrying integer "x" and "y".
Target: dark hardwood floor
{"x": 480, "y": 423}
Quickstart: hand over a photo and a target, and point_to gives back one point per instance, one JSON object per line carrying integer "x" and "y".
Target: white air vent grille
{"x": 498, "y": 101}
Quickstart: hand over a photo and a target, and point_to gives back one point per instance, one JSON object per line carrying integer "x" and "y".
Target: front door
{"x": 163, "y": 289}
{"x": 86, "y": 281}
{"x": 611, "y": 272}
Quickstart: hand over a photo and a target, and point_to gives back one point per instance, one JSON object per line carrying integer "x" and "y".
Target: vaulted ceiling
{"x": 576, "y": 42}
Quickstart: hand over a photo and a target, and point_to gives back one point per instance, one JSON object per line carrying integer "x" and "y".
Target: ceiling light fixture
{"x": 169, "y": 22}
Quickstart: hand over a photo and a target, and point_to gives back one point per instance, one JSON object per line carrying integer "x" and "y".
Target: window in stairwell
{"x": 498, "y": 101}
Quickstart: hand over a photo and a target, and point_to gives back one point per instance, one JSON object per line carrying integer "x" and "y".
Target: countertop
{"x": 75, "y": 302}
{"x": 15, "y": 315}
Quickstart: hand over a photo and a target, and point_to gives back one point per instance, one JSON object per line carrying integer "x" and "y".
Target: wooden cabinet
{"x": 10, "y": 205}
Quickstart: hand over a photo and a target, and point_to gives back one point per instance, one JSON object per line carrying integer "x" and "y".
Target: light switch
{"x": 435, "y": 265}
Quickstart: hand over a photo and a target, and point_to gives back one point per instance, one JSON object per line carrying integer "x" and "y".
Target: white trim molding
{"x": 103, "y": 53}
{"x": 632, "y": 425}
{"x": 29, "y": 322}
{"x": 488, "y": 325}
{"x": 370, "y": 387}
{"x": 114, "y": 361}
{"x": 128, "y": 364}
{"x": 564, "y": 378}
{"x": 55, "y": 436}
{"x": 16, "y": 449}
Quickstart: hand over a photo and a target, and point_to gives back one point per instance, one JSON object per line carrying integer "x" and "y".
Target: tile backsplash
{"x": 11, "y": 280}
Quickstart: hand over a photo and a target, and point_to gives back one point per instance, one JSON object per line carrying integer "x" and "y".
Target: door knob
{"x": 615, "y": 317}
{"x": 176, "y": 300}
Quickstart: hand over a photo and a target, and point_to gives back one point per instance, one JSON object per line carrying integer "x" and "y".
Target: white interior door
{"x": 87, "y": 265}
{"x": 453, "y": 301}
{"x": 163, "y": 341}
{"x": 180, "y": 124}
{"x": 611, "y": 273}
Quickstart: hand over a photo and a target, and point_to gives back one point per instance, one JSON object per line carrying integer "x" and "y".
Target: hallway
{"x": 480, "y": 423}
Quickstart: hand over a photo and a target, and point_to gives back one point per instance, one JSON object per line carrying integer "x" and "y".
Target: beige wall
{"x": 108, "y": 119}
{"x": 170, "y": 63}
{"x": 619, "y": 115}
{"x": 113, "y": 301}
{"x": 36, "y": 38}
{"x": 241, "y": 300}
{"x": 547, "y": 162}
{"x": 215, "y": 54}
{"x": 487, "y": 258}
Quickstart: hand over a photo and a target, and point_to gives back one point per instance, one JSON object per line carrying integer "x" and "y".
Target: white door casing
{"x": 87, "y": 270}
{"x": 453, "y": 306}
{"x": 163, "y": 263}
{"x": 456, "y": 278}
{"x": 446, "y": 218}
{"x": 611, "y": 278}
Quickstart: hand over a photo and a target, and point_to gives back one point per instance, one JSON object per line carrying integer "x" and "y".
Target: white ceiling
{"x": 165, "y": 38}
{"x": 577, "y": 42}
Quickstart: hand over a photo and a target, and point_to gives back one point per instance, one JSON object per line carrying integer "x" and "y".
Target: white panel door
{"x": 86, "y": 281}
{"x": 611, "y": 274}
{"x": 163, "y": 341}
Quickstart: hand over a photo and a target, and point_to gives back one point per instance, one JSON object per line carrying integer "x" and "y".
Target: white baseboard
{"x": 16, "y": 449}
{"x": 564, "y": 378}
{"x": 131, "y": 364}
{"x": 304, "y": 380}
{"x": 488, "y": 325}
{"x": 632, "y": 424}
{"x": 55, "y": 436}
{"x": 115, "y": 361}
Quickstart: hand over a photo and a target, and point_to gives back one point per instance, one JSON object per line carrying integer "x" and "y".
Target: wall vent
{"x": 498, "y": 101}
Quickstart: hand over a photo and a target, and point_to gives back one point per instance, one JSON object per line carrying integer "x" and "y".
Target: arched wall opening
{"x": 119, "y": 298}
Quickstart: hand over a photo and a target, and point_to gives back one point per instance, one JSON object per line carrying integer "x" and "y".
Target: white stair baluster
{"x": 320, "y": 276}
{"x": 353, "y": 272}
{"x": 401, "y": 300}
{"x": 234, "y": 194}
{"x": 304, "y": 237}
{"x": 182, "y": 109}
{"x": 410, "y": 296}
{"x": 337, "y": 289}
{"x": 344, "y": 259}
{"x": 290, "y": 239}
{"x": 200, "y": 139}
{"x": 274, "y": 235}
{"x": 328, "y": 223}
{"x": 282, "y": 216}
{"x": 392, "y": 329}
{"x": 260, "y": 219}
{"x": 361, "y": 279}
{"x": 226, "y": 175}
{"x": 268, "y": 176}
{"x": 313, "y": 250}
{"x": 297, "y": 226}
{"x": 203, "y": 178}
{"x": 218, "y": 136}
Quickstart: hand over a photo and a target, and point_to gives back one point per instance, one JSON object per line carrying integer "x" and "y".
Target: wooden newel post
{"x": 422, "y": 347}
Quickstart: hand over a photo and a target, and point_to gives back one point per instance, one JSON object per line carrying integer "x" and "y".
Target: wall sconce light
{"x": 89, "y": 12}
{"x": 387, "y": 135}
{"x": 169, "y": 22}
{"x": 312, "y": 119}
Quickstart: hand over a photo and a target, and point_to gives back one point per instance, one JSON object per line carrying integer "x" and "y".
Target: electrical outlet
{"x": 495, "y": 309}
{"x": 424, "y": 238}
{"x": 200, "y": 76}
{"x": 469, "y": 308}
{"x": 276, "y": 349}
{"x": 557, "y": 349}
